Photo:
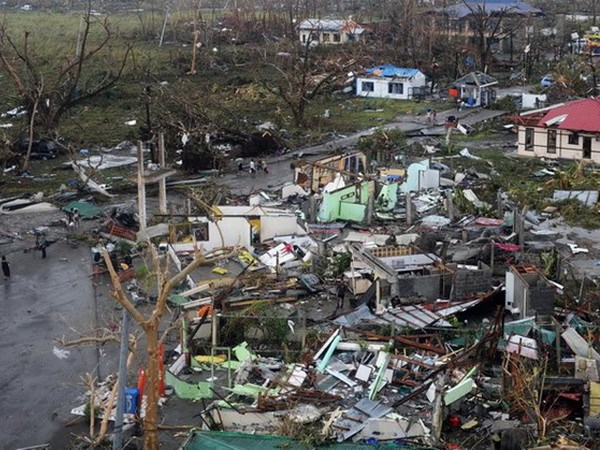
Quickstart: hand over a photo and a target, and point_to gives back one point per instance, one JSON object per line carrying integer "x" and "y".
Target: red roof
{"x": 579, "y": 115}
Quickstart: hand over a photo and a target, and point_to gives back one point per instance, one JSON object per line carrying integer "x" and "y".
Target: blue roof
{"x": 389, "y": 70}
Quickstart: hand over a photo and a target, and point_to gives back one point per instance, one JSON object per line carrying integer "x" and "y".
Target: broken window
{"x": 551, "y": 141}
{"x": 529, "y": 139}
{"x": 368, "y": 86}
{"x": 336, "y": 37}
{"x": 574, "y": 139}
{"x": 326, "y": 37}
{"x": 395, "y": 88}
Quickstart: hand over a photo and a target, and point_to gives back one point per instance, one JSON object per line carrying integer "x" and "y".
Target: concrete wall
{"x": 426, "y": 286}
{"x": 564, "y": 150}
{"x": 348, "y": 203}
{"x": 532, "y": 294}
{"x": 380, "y": 87}
{"x": 272, "y": 226}
{"x": 471, "y": 282}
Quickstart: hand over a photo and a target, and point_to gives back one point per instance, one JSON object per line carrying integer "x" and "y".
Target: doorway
{"x": 587, "y": 147}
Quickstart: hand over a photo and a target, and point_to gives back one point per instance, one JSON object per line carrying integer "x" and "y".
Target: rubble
{"x": 368, "y": 304}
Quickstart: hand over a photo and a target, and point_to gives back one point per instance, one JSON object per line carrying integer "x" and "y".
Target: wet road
{"x": 44, "y": 300}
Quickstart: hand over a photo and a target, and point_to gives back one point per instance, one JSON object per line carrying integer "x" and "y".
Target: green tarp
{"x": 188, "y": 391}
{"x": 177, "y": 300}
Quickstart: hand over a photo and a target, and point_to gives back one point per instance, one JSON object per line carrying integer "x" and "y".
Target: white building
{"x": 330, "y": 32}
{"x": 567, "y": 130}
{"x": 388, "y": 81}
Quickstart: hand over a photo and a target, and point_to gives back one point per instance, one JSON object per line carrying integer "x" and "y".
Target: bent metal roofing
{"x": 578, "y": 115}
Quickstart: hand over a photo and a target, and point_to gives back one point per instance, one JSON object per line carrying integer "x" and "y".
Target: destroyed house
{"x": 316, "y": 175}
{"x": 347, "y": 203}
{"x": 233, "y": 226}
{"x": 476, "y": 89}
{"x": 330, "y": 32}
{"x": 564, "y": 131}
{"x": 389, "y": 81}
{"x": 528, "y": 292}
{"x": 403, "y": 275}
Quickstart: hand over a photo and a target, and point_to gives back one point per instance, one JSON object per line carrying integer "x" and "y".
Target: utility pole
{"x": 118, "y": 430}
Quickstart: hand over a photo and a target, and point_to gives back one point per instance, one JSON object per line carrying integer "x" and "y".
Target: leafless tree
{"x": 302, "y": 72}
{"x": 491, "y": 26}
{"x": 150, "y": 326}
{"x": 48, "y": 91}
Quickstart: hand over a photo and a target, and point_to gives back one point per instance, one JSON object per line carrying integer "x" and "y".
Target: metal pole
{"x": 118, "y": 430}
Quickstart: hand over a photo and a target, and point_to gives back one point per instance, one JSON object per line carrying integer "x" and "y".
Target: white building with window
{"x": 330, "y": 32}
{"x": 567, "y": 131}
{"x": 388, "y": 81}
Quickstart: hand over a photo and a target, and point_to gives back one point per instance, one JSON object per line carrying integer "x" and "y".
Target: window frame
{"x": 551, "y": 141}
{"x": 391, "y": 84}
{"x": 369, "y": 83}
{"x": 574, "y": 139}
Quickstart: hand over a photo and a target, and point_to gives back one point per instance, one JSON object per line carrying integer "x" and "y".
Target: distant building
{"x": 330, "y": 32}
{"x": 567, "y": 130}
{"x": 388, "y": 81}
{"x": 464, "y": 19}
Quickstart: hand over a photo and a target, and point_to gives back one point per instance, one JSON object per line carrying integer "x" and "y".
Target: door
{"x": 587, "y": 147}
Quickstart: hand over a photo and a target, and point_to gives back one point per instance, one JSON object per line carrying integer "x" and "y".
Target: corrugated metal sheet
{"x": 581, "y": 115}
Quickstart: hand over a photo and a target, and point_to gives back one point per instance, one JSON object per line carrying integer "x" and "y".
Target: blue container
{"x": 131, "y": 400}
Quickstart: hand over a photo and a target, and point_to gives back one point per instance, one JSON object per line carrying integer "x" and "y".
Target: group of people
{"x": 431, "y": 116}
{"x": 73, "y": 218}
{"x": 254, "y": 167}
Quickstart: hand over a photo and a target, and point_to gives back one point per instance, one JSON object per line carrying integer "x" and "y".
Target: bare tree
{"x": 303, "y": 72}
{"x": 490, "y": 26}
{"x": 150, "y": 327}
{"x": 47, "y": 91}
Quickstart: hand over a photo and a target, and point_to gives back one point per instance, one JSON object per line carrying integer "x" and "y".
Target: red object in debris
{"x": 141, "y": 384}
{"x": 453, "y": 92}
{"x": 454, "y": 421}
{"x": 489, "y": 222}
{"x": 452, "y": 446}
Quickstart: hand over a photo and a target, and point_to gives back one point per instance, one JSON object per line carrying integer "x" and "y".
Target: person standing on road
{"x": 76, "y": 217}
{"x": 341, "y": 294}
{"x": 41, "y": 244}
{"x": 263, "y": 164}
{"x": 434, "y": 116}
{"x": 5, "y": 268}
{"x": 252, "y": 168}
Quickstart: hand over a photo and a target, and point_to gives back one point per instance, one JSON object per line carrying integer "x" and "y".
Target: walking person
{"x": 252, "y": 168}
{"x": 428, "y": 116}
{"x": 41, "y": 244}
{"x": 5, "y": 268}
{"x": 76, "y": 217}
{"x": 341, "y": 294}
